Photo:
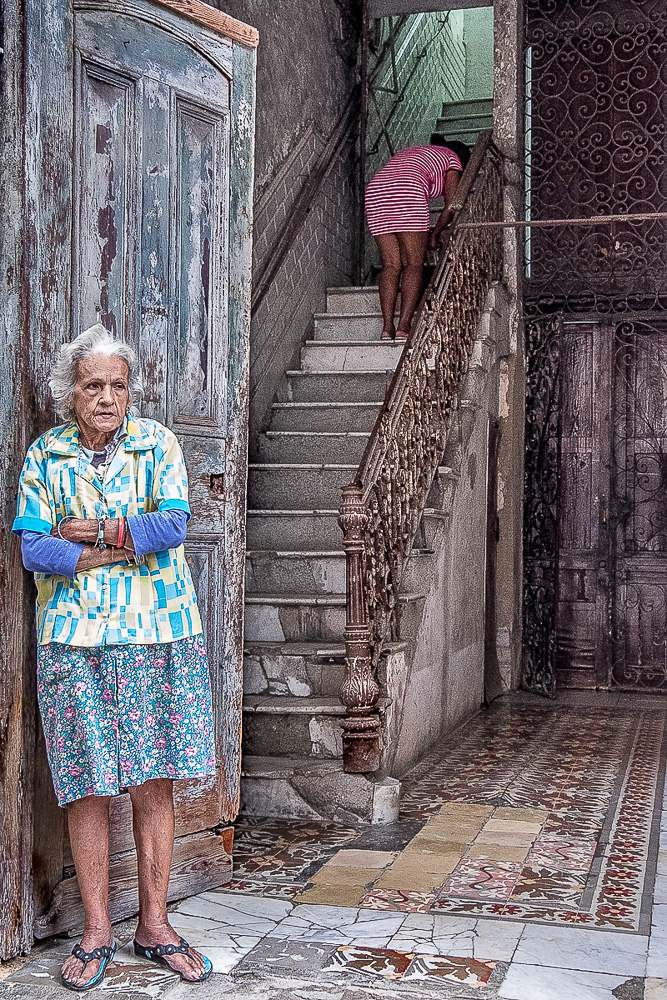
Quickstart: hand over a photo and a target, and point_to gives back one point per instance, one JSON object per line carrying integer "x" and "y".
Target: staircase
{"x": 464, "y": 120}
{"x": 295, "y": 582}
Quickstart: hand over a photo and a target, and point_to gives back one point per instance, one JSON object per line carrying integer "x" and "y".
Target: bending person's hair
{"x": 460, "y": 148}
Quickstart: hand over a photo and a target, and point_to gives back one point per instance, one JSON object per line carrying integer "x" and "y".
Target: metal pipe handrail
{"x": 382, "y": 508}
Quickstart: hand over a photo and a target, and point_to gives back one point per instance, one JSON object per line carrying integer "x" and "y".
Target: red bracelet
{"x": 121, "y": 533}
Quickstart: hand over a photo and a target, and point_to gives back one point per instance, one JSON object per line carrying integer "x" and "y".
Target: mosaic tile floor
{"x": 530, "y": 814}
{"x": 527, "y": 865}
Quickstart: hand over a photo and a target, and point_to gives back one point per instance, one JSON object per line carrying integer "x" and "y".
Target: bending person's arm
{"x": 452, "y": 179}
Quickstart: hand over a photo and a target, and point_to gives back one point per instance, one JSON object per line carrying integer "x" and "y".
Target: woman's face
{"x": 101, "y": 395}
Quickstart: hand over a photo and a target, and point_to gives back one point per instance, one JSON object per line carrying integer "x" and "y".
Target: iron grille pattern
{"x": 382, "y": 509}
{"x": 541, "y": 478}
{"x": 596, "y": 144}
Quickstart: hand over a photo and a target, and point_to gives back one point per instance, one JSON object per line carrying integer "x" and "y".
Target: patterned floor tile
{"x": 398, "y": 899}
{"x": 563, "y": 853}
{"x": 465, "y": 971}
{"x": 376, "y": 962}
{"x": 548, "y": 884}
{"x": 483, "y": 880}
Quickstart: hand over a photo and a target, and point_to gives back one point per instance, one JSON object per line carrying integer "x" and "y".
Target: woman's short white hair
{"x": 95, "y": 340}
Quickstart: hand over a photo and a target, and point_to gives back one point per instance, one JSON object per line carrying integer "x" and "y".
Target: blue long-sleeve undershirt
{"x": 152, "y": 532}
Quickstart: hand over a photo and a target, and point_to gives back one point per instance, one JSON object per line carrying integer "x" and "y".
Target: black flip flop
{"x": 157, "y": 952}
{"x": 104, "y": 955}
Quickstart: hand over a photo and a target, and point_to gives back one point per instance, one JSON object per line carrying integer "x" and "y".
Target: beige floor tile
{"x": 336, "y": 895}
{"x": 457, "y": 832}
{"x": 410, "y": 880}
{"x": 499, "y": 852}
{"x": 362, "y": 859}
{"x": 423, "y": 843}
{"x": 512, "y": 826}
{"x": 505, "y": 839}
{"x": 530, "y": 815}
{"x": 464, "y": 809}
{"x": 337, "y": 875}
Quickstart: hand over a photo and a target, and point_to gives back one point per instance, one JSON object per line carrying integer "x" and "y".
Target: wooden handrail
{"x": 382, "y": 508}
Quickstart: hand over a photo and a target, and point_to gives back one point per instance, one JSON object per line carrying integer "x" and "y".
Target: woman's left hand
{"x": 78, "y": 529}
{"x": 433, "y": 239}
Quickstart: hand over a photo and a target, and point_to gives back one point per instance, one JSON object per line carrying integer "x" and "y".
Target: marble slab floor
{"x": 529, "y": 863}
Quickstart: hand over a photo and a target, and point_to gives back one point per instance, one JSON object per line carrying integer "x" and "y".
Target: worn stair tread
{"x": 355, "y": 343}
{"x": 281, "y": 704}
{"x": 284, "y": 767}
{"x": 342, "y": 289}
{"x": 331, "y": 372}
{"x": 313, "y": 650}
{"x": 325, "y": 434}
{"x": 316, "y": 600}
{"x": 292, "y": 511}
{"x": 325, "y": 404}
{"x": 300, "y": 465}
{"x": 376, "y": 314}
{"x": 298, "y": 553}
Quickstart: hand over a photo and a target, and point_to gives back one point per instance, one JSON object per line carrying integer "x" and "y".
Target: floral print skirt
{"x": 116, "y": 716}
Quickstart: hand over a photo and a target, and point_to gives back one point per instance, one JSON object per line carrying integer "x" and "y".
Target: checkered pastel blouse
{"x": 153, "y": 602}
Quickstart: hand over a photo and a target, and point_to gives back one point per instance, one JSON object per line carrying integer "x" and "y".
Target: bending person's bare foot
{"x": 74, "y": 971}
{"x": 191, "y": 965}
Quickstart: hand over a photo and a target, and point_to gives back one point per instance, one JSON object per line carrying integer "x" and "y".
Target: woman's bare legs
{"x": 412, "y": 249}
{"x": 389, "y": 280}
{"x": 88, "y": 821}
{"x": 153, "y": 827}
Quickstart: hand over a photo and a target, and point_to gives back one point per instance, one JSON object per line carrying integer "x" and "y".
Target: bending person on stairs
{"x": 398, "y": 217}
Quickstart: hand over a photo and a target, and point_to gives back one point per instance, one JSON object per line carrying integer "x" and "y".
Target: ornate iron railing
{"x": 382, "y": 508}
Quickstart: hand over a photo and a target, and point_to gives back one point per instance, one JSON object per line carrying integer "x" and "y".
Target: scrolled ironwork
{"x": 408, "y": 441}
{"x": 596, "y": 144}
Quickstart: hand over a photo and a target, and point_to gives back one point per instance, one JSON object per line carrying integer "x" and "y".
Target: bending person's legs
{"x": 153, "y": 827}
{"x": 389, "y": 280}
{"x": 88, "y": 821}
{"x": 412, "y": 247}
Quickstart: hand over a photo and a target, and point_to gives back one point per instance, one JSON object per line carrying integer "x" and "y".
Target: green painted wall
{"x": 478, "y": 38}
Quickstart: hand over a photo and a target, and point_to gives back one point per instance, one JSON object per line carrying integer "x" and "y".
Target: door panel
{"x": 581, "y": 646}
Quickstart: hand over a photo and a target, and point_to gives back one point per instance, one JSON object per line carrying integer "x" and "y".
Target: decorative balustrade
{"x": 382, "y": 508}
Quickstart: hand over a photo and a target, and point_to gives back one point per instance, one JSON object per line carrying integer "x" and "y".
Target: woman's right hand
{"x": 93, "y": 558}
{"x": 77, "y": 529}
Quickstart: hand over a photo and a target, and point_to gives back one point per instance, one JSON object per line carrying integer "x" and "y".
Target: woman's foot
{"x": 388, "y": 334}
{"x": 402, "y": 334}
{"x": 191, "y": 966}
{"x": 73, "y": 970}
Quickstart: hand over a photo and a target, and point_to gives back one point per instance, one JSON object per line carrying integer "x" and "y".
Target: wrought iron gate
{"x": 595, "y": 536}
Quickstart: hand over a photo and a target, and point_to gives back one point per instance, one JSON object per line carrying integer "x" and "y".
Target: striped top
{"x": 397, "y": 197}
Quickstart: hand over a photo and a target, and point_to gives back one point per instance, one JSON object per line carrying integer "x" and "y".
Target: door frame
{"x": 37, "y": 310}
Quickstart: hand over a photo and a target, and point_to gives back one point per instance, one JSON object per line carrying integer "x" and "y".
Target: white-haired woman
{"x": 123, "y": 682}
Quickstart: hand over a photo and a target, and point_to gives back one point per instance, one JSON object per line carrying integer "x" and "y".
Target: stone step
{"x": 284, "y": 726}
{"x": 316, "y": 416}
{"x": 295, "y": 572}
{"x": 348, "y": 326}
{"x": 309, "y": 446}
{"x": 466, "y": 123}
{"x": 334, "y": 386}
{"x": 299, "y": 669}
{"x": 304, "y": 788}
{"x": 323, "y": 355}
{"x": 310, "y": 485}
{"x": 308, "y": 617}
{"x": 314, "y": 572}
{"x": 461, "y": 133}
{"x": 464, "y": 109}
{"x": 293, "y": 529}
{"x": 355, "y": 299}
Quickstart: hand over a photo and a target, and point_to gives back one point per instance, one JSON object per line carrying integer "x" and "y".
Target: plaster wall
{"x": 441, "y": 676}
{"x": 478, "y": 37}
{"x": 305, "y": 76}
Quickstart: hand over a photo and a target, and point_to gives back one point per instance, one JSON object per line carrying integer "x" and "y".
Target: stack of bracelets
{"x": 123, "y": 533}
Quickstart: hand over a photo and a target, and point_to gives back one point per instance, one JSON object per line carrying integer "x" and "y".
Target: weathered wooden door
{"x": 150, "y": 235}
{"x": 595, "y": 594}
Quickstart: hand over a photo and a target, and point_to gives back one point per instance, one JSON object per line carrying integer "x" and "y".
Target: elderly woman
{"x": 398, "y": 217}
{"x": 122, "y": 675}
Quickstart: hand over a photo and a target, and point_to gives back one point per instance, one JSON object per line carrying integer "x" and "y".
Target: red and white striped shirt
{"x": 397, "y": 197}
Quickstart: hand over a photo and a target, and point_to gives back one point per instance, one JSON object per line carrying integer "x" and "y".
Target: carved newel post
{"x": 360, "y": 691}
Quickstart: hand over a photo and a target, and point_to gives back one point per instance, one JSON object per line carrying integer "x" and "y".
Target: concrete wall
{"x": 305, "y": 75}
